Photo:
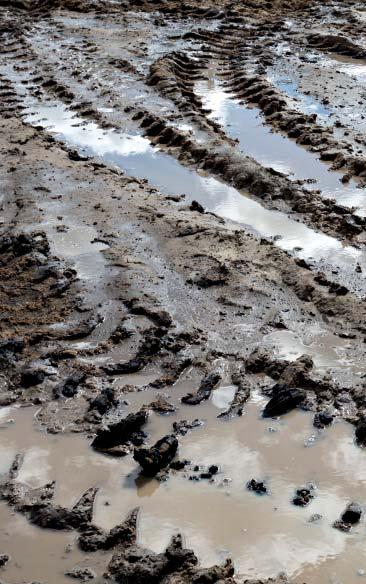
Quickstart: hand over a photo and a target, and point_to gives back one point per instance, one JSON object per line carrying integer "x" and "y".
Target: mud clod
{"x": 104, "y": 401}
{"x": 161, "y": 405}
{"x": 203, "y": 393}
{"x": 350, "y": 517}
{"x": 4, "y": 559}
{"x": 323, "y": 419}
{"x": 241, "y": 396}
{"x": 303, "y": 496}
{"x": 154, "y": 459}
{"x": 195, "y": 206}
{"x": 69, "y": 387}
{"x": 83, "y": 574}
{"x": 120, "y": 433}
{"x": 184, "y": 426}
{"x": 258, "y": 487}
{"x": 283, "y": 400}
{"x": 360, "y": 432}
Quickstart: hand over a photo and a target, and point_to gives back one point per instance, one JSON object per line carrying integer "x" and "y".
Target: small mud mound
{"x": 37, "y": 287}
{"x": 337, "y": 44}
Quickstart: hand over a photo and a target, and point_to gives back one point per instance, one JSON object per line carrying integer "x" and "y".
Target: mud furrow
{"x": 245, "y": 173}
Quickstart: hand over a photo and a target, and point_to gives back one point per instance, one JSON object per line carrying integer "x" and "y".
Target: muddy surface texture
{"x": 182, "y": 260}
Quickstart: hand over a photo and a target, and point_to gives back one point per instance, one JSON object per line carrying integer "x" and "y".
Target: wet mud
{"x": 182, "y": 260}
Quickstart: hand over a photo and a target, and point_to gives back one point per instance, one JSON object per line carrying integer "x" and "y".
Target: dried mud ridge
{"x": 211, "y": 275}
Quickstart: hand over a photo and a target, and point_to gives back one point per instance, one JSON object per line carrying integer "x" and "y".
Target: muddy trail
{"x": 182, "y": 291}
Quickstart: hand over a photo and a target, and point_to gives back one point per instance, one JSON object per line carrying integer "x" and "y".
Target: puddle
{"x": 263, "y": 535}
{"x": 356, "y": 71}
{"x": 136, "y": 156}
{"x": 327, "y": 350}
{"x": 77, "y": 243}
{"x": 80, "y": 244}
{"x": 307, "y": 103}
{"x": 39, "y": 554}
{"x": 347, "y": 76}
{"x": 223, "y": 396}
{"x": 274, "y": 150}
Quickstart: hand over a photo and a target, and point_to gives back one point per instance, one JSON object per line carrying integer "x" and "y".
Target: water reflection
{"x": 263, "y": 535}
{"x": 272, "y": 149}
{"x": 165, "y": 173}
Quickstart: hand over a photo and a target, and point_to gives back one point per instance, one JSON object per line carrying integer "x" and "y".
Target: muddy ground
{"x": 182, "y": 254}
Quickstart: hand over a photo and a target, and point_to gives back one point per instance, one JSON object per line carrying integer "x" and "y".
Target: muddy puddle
{"x": 80, "y": 245}
{"x": 306, "y": 103}
{"x": 296, "y": 71}
{"x": 42, "y": 555}
{"x": 274, "y": 150}
{"x": 263, "y": 534}
{"x": 355, "y": 68}
{"x": 136, "y": 156}
{"x": 162, "y": 40}
{"x": 327, "y": 351}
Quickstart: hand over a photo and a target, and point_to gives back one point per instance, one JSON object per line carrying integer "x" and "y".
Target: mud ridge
{"x": 337, "y": 44}
{"x": 174, "y": 76}
{"x": 303, "y": 128}
{"x": 271, "y": 187}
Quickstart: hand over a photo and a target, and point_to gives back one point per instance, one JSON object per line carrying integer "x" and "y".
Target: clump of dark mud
{"x": 118, "y": 438}
{"x": 154, "y": 459}
{"x": 204, "y": 391}
{"x": 350, "y": 517}
{"x": 258, "y": 487}
{"x": 303, "y": 496}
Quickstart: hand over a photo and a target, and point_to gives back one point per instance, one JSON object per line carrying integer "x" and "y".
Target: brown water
{"x": 263, "y": 535}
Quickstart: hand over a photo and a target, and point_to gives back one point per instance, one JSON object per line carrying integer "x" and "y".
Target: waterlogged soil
{"x": 182, "y": 292}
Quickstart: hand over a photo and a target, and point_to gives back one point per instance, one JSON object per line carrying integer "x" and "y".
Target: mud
{"x": 182, "y": 259}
